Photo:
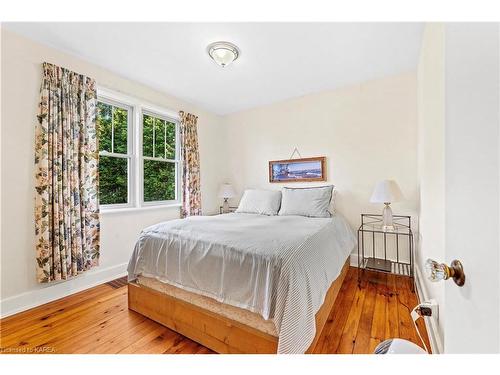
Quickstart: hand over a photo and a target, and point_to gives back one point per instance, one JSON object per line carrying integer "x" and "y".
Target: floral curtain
{"x": 66, "y": 178}
{"x": 191, "y": 188}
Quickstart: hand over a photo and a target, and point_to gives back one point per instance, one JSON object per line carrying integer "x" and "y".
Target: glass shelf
{"x": 373, "y": 223}
{"x": 231, "y": 209}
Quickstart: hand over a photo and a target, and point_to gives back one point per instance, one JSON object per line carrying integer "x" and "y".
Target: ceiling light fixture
{"x": 223, "y": 53}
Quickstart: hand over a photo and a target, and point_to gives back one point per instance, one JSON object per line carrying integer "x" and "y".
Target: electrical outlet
{"x": 433, "y": 305}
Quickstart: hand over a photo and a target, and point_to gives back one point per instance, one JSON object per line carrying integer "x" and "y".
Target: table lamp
{"x": 386, "y": 192}
{"x": 226, "y": 191}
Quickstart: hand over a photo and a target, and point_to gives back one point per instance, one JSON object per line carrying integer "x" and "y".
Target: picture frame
{"x": 298, "y": 170}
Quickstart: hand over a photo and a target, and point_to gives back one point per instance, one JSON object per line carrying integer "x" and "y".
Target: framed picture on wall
{"x": 298, "y": 170}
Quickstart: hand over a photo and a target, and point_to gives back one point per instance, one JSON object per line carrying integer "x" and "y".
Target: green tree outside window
{"x": 159, "y": 155}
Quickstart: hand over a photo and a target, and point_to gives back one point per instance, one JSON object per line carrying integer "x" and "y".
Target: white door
{"x": 472, "y": 200}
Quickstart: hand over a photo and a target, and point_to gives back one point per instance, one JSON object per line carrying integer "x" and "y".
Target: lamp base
{"x": 387, "y": 223}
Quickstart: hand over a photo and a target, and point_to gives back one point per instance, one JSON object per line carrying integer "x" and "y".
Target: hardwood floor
{"x": 98, "y": 321}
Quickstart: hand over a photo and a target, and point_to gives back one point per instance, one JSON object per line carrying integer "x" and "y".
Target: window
{"x": 139, "y": 161}
{"x": 160, "y": 164}
{"x": 114, "y": 156}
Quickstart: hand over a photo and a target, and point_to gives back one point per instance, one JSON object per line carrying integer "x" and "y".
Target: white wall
{"x": 472, "y": 169}
{"x": 367, "y": 132}
{"x": 21, "y": 77}
{"x": 431, "y": 178}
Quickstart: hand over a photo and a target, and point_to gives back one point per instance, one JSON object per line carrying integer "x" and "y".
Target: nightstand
{"x": 386, "y": 251}
{"x": 231, "y": 209}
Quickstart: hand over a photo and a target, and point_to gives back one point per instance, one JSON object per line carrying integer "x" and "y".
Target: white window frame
{"x": 136, "y": 162}
{"x": 163, "y": 115}
{"x": 130, "y": 151}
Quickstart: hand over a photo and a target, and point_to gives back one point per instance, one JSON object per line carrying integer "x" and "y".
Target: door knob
{"x": 440, "y": 271}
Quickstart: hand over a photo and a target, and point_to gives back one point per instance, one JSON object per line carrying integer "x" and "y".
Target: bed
{"x": 241, "y": 283}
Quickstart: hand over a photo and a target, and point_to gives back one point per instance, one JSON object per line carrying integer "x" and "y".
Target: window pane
{"x": 120, "y": 120}
{"x": 113, "y": 175}
{"x": 159, "y": 181}
{"x": 170, "y": 140}
{"x": 104, "y": 129}
{"x": 159, "y": 138}
{"x": 147, "y": 137}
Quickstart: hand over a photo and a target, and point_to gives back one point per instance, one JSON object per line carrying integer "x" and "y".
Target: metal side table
{"x": 386, "y": 251}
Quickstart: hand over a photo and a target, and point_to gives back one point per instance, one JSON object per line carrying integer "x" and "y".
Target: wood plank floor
{"x": 97, "y": 320}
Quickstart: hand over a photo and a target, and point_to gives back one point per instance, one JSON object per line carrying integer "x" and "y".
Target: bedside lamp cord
{"x": 415, "y": 315}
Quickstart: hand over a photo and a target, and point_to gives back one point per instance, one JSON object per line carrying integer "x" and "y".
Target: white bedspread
{"x": 277, "y": 266}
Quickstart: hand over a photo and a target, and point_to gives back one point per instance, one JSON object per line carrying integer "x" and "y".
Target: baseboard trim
{"x": 354, "y": 260}
{"x": 430, "y": 322}
{"x": 51, "y": 292}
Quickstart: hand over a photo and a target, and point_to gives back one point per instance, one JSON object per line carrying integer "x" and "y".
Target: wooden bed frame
{"x": 217, "y": 332}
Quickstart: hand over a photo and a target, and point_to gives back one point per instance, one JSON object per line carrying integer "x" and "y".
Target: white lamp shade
{"x": 226, "y": 191}
{"x": 386, "y": 191}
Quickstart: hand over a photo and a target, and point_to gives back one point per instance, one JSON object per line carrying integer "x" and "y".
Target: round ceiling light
{"x": 223, "y": 53}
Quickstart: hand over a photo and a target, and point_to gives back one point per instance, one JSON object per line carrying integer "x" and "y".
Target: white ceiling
{"x": 278, "y": 60}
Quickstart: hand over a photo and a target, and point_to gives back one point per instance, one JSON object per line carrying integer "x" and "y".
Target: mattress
{"x": 231, "y": 312}
{"x": 279, "y": 267}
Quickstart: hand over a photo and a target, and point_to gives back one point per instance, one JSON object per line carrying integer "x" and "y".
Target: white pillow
{"x": 264, "y": 202}
{"x": 332, "y": 203}
{"x": 311, "y": 202}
